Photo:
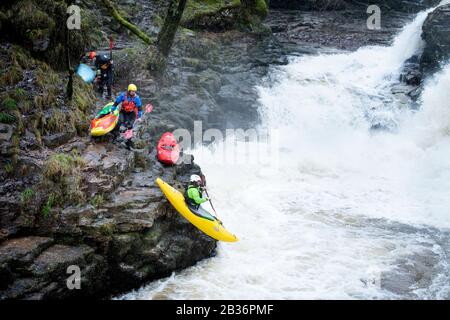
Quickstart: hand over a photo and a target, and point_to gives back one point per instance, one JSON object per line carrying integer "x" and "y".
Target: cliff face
{"x": 436, "y": 34}
{"x": 405, "y": 6}
{"x": 64, "y": 198}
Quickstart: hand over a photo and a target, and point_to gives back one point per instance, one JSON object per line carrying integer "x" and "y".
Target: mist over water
{"x": 343, "y": 203}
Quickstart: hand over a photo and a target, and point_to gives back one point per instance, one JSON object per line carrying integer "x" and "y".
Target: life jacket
{"x": 190, "y": 202}
{"x": 129, "y": 106}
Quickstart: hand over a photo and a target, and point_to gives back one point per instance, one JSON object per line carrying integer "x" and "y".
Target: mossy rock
{"x": 26, "y": 197}
{"x": 9, "y": 104}
{"x": 7, "y": 118}
{"x": 11, "y": 77}
{"x": 40, "y": 26}
{"x": 62, "y": 179}
{"x": 61, "y": 165}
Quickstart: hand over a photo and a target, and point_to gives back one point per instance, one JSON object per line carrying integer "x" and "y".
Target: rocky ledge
{"x": 435, "y": 53}
{"x": 126, "y": 236}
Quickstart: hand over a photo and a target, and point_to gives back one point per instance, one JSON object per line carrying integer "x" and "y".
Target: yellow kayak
{"x": 202, "y": 219}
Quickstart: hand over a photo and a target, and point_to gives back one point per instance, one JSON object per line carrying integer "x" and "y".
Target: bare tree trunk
{"x": 169, "y": 29}
{"x": 167, "y": 34}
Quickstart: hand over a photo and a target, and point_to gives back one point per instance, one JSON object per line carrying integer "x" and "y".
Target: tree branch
{"x": 116, "y": 15}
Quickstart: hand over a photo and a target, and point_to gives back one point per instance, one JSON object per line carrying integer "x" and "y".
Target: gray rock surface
{"x": 436, "y": 34}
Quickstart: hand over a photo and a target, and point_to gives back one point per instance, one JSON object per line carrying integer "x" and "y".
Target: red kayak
{"x": 168, "y": 149}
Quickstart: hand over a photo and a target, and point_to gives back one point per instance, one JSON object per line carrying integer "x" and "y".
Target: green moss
{"x": 107, "y": 229}
{"x": 261, "y": 8}
{"x": 48, "y": 206}
{"x": 9, "y": 168}
{"x": 7, "y": 118}
{"x": 119, "y": 17}
{"x": 79, "y": 122}
{"x": 9, "y": 104}
{"x": 159, "y": 21}
{"x": 19, "y": 94}
{"x": 62, "y": 176}
{"x": 199, "y": 8}
{"x": 56, "y": 122}
{"x": 46, "y": 77}
{"x": 97, "y": 201}
{"x": 20, "y": 57}
{"x": 61, "y": 165}
{"x": 26, "y": 196}
{"x": 11, "y": 77}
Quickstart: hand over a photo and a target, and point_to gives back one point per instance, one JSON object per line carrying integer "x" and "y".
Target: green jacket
{"x": 195, "y": 195}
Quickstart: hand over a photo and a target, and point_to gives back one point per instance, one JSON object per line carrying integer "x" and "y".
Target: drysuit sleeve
{"x": 138, "y": 103}
{"x": 119, "y": 100}
{"x": 194, "y": 194}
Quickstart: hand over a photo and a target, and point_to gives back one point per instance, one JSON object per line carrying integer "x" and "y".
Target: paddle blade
{"x": 148, "y": 108}
{"x": 128, "y": 134}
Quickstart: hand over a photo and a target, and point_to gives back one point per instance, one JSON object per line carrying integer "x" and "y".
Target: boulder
{"x": 6, "y": 141}
{"x": 404, "y": 6}
{"x": 307, "y": 4}
{"x": 47, "y": 275}
{"x": 436, "y": 34}
{"x": 407, "y": 6}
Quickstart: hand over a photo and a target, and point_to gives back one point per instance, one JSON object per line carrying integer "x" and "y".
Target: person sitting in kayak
{"x": 105, "y": 72}
{"x": 194, "y": 192}
{"x": 131, "y": 107}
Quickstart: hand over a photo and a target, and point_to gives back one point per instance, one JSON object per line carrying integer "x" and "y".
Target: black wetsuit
{"x": 106, "y": 75}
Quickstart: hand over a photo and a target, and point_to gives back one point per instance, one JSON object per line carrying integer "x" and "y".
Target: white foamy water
{"x": 342, "y": 203}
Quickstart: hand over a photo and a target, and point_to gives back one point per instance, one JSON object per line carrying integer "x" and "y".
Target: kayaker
{"x": 131, "y": 107}
{"x": 105, "y": 72}
{"x": 194, "y": 192}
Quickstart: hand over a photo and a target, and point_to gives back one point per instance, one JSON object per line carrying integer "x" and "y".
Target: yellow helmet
{"x": 132, "y": 87}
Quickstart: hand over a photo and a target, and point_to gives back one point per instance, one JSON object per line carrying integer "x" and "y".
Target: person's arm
{"x": 195, "y": 195}
{"x": 118, "y": 101}
{"x": 138, "y": 103}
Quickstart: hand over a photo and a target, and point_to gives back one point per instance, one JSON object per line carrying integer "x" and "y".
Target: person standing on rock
{"x": 105, "y": 72}
{"x": 131, "y": 108}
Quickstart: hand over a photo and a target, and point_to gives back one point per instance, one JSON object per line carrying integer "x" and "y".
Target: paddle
{"x": 111, "y": 44}
{"x": 212, "y": 206}
{"x": 207, "y": 194}
{"x": 129, "y": 133}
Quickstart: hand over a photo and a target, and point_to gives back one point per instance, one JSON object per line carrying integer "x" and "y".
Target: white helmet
{"x": 195, "y": 178}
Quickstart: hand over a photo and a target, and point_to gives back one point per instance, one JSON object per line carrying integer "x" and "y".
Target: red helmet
{"x": 92, "y": 55}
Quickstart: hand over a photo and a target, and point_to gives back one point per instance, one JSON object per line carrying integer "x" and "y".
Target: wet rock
{"x": 55, "y": 140}
{"x": 406, "y": 6}
{"x": 411, "y": 273}
{"x": 46, "y": 276}
{"x": 307, "y": 4}
{"x": 104, "y": 169}
{"x": 17, "y": 254}
{"x": 436, "y": 34}
{"x": 56, "y": 258}
{"x": 6, "y": 144}
{"x": 29, "y": 141}
{"x": 23, "y": 250}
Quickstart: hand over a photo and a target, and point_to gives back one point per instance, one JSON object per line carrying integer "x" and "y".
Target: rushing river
{"x": 338, "y": 210}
